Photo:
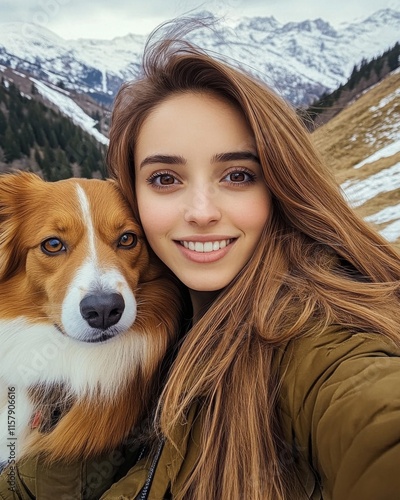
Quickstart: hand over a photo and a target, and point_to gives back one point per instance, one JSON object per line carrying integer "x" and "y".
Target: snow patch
{"x": 104, "y": 81}
{"x": 387, "y": 214}
{"x": 69, "y": 108}
{"x": 389, "y": 150}
{"x": 358, "y": 192}
{"x": 392, "y": 231}
{"x": 19, "y": 74}
{"x": 386, "y": 100}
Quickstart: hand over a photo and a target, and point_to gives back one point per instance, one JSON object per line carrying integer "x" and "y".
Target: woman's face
{"x": 201, "y": 197}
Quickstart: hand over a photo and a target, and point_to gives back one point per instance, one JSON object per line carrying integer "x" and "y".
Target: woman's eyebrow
{"x": 234, "y": 156}
{"x": 179, "y": 160}
{"x": 166, "y": 159}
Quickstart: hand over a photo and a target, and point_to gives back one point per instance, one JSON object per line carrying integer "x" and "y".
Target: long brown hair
{"x": 317, "y": 263}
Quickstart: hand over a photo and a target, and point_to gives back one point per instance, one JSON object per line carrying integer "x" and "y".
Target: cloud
{"x": 105, "y": 19}
{"x": 23, "y": 10}
{"x": 13, "y": 11}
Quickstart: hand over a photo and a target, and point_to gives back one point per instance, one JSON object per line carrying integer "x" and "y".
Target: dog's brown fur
{"x": 31, "y": 287}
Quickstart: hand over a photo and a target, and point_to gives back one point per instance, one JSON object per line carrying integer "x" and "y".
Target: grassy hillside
{"x": 364, "y": 76}
{"x": 362, "y": 146}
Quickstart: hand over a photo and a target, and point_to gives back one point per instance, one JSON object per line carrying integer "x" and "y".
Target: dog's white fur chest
{"x": 38, "y": 353}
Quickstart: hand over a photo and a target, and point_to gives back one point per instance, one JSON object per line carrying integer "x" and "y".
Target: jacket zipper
{"x": 143, "y": 495}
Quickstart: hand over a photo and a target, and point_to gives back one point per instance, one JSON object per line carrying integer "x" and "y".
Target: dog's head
{"x": 71, "y": 254}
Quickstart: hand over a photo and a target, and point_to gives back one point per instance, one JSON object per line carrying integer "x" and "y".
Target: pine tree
{"x": 39, "y": 134}
{"x": 29, "y": 133}
{"x": 23, "y": 140}
{"x": 378, "y": 66}
{"x": 86, "y": 170}
{"x": 11, "y": 146}
{"x": 3, "y": 95}
{"x": 394, "y": 57}
{"x": 52, "y": 138}
{"x": 38, "y": 158}
{"x": 13, "y": 119}
{"x": 3, "y": 123}
{"x": 48, "y": 163}
{"x": 63, "y": 168}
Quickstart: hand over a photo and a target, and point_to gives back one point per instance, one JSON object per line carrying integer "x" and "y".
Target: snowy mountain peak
{"x": 29, "y": 32}
{"x": 300, "y": 60}
{"x": 383, "y": 15}
{"x": 259, "y": 23}
{"x": 317, "y": 25}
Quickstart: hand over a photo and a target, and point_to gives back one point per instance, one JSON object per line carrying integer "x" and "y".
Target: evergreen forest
{"x": 43, "y": 140}
{"x": 363, "y": 76}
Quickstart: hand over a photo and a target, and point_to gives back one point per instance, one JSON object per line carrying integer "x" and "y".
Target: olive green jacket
{"x": 340, "y": 414}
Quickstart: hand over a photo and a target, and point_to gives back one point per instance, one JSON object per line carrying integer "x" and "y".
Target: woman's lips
{"x": 206, "y": 246}
{"x": 207, "y": 251}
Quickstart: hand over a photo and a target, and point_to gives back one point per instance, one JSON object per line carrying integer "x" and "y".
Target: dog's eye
{"x": 52, "y": 246}
{"x": 128, "y": 240}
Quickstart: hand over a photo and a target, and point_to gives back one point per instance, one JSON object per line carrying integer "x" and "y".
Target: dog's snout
{"x": 102, "y": 310}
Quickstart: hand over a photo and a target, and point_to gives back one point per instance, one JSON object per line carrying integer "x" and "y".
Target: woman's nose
{"x": 202, "y": 207}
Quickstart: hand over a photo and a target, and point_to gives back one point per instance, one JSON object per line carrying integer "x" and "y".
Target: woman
{"x": 287, "y": 384}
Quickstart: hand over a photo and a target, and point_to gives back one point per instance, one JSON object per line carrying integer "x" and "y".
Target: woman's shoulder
{"x": 308, "y": 364}
{"x": 301, "y": 360}
{"x": 339, "y": 406}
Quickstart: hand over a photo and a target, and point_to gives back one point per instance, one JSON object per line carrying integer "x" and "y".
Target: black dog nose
{"x": 102, "y": 310}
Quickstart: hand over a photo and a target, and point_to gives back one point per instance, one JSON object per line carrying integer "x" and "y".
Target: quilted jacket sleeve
{"x": 33, "y": 479}
{"x": 342, "y": 393}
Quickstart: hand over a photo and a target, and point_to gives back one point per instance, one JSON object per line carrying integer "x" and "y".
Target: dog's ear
{"x": 15, "y": 192}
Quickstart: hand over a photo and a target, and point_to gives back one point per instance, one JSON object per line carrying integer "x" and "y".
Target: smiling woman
{"x": 200, "y": 190}
{"x": 285, "y": 381}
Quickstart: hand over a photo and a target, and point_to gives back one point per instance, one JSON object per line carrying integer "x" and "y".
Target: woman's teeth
{"x": 208, "y": 246}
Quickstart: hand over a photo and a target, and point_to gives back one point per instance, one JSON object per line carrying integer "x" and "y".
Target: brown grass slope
{"x": 368, "y": 124}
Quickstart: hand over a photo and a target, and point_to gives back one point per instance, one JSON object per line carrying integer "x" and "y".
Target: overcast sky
{"x": 73, "y": 19}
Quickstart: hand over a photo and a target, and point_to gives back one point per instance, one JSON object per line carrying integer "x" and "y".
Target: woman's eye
{"x": 237, "y": 177}
{"x": 128, "y": 240}
{"x": 166, "y": 179}
{"x": 52, "y": 246}
{"x": 160, "y": 179}
{"x": 240, "y": 177}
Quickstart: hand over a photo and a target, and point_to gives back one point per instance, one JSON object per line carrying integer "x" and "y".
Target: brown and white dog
{"x": 85, "y": 318}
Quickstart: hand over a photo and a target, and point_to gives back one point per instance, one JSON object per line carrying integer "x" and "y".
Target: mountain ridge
{"x": 301, "y": 60}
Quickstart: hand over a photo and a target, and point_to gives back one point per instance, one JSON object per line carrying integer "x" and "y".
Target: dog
{"x": 86, "y": 316}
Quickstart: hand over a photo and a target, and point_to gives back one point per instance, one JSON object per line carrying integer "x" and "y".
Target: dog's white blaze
{"x": 87, "y": 217}
{"x": 92, "y": 277}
